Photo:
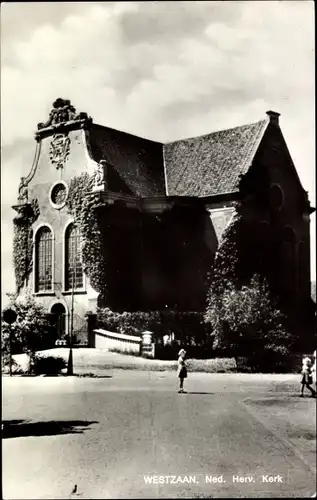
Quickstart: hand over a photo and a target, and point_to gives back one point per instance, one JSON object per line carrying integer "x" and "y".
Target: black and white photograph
{"x": 158, "y": 249}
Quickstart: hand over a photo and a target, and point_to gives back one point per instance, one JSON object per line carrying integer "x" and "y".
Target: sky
{"x": 161, "y": 70}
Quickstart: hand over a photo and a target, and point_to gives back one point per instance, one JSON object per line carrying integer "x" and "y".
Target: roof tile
{"x": 211, "y": 164}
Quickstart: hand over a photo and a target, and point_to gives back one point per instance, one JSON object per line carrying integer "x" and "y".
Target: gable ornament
{"x": 59, "y": 150}
{"x": 99, "y": 176}
{"x": 23, "y": 191}
{"x": 63, "y": 111}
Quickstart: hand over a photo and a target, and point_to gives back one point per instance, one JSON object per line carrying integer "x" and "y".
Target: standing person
{"x": 182, "y": 370}
{"x": 314, "y": 371}
{"x": 307, "y": 379}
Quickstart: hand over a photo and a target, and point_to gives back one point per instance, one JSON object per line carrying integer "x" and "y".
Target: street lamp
{"x": 70, "y": 367}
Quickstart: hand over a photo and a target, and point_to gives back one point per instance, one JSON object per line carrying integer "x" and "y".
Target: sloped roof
{"x": 211, "y": 164}
{"x": 207, "y": 165}
{"x": 136, "y": 164}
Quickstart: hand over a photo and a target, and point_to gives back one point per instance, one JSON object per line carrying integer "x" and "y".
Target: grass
{"x": 94, "y": 362}
{"x": 126, "y": 353}
{"x": 217, "y": 365}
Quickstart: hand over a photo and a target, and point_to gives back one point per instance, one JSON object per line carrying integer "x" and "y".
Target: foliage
{"x": 5, "y": 364}
{"x": 226, "y": 263}
{"x": 23, "y": 241}
{"x": 247, "y": 321}
{"x": 186, "y": 327}
{"x": 84, "y": 207}
{"x": 47, "y": 365}
{"x": 32, "y": 330}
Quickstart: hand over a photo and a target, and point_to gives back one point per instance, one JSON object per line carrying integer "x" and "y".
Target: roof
{"x": 136, "y": 164}
{"x": 211, "y": 164}
{"x": 208, "y": 165}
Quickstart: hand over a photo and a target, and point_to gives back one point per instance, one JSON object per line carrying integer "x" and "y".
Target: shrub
{"x": 247, "y": 321}
{"x": 47, "y": 365}
{"x": 5, "y": 365}
{"x": 32, "y": 330}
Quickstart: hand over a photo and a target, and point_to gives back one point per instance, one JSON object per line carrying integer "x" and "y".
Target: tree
{"x": 32, "y": 330}
{"x": 247, "y": 321}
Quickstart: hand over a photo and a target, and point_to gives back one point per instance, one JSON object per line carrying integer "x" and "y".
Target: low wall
{"x": 124, "y": 343}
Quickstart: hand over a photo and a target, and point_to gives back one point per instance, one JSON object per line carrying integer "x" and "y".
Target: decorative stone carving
{"x": 23, "y": 191}
{"x": 63, "y": 111}
{"x": 100, "y": 176}
{"x": 59, "y": 150}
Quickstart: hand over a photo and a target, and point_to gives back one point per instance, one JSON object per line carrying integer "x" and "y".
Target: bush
{"x": 47, "y": 365}
{"x": 32, "y": 330}
{"x": 246, "y": 321}
{"x": 5, "y": 365}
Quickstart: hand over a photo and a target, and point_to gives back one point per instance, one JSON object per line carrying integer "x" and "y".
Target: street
{"x": 230, "y": 435}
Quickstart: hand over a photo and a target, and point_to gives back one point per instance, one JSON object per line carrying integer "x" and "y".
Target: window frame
{"x": 58, "y": 206}
{"x": 69, "y": 289}
{"x": 36, "y": 290}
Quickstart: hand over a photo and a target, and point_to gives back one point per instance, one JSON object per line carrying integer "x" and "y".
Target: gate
{"x": 80, "y": 330}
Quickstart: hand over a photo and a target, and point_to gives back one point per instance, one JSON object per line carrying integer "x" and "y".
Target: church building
{"x": 162, "y": 210}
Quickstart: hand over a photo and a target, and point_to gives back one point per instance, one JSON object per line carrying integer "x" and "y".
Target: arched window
{"x": 276, "y": 197}
{"x": 43, "y": 267}
{"x": 73, "y": 263}
{"x": 303, "y": 278}
{"x": 289, "y": 258}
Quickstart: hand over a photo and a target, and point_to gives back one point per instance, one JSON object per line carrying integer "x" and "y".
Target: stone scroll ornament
{"x": 23, "y": 191}
{"x": 59, "y": 150}
{"x": 100, "y": 176}
{"x": 63, "y": 111}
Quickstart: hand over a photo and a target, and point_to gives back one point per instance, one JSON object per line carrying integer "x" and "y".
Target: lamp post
{"x": 70, "y": 367}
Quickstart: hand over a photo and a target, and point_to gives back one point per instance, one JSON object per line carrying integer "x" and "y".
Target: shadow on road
{"x": 199, "y": 393}
{"x": 22, "y": 428}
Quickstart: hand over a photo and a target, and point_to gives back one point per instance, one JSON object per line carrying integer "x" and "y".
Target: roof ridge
{"x": 255, "y": 142}
{"x": 127, "y": 133}
{"x": 214, "y": 132}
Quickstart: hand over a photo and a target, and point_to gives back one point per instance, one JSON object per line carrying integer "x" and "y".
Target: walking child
{"x": 307, "y": 378}
{"x": 182, "y": 370}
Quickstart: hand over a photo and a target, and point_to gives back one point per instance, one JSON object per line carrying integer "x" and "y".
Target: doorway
{"x": 58, "y": 312}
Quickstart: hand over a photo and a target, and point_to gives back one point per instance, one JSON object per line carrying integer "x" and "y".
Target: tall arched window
{"x": 289, "y": 258}
{"x": 43, "y": 262}
{"x": 303, "y": 277}
{"x": 73, "y": 263}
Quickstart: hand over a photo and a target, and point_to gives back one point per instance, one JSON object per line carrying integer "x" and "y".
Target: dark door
{"x": 59, "y": 314}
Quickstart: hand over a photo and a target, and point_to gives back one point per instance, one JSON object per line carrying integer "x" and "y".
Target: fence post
{"x": 147, "y": 345}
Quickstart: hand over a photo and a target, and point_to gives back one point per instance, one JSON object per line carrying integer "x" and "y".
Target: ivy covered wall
{"x": 23, "y": 242}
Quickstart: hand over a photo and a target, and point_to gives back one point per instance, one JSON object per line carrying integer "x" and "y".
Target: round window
{"x": 58, "y": 194}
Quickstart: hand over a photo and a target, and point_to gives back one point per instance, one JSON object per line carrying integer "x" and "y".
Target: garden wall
{"x": 107, "y": 340}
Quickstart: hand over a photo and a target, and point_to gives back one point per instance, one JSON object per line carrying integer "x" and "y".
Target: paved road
{"x": 106, "y": 434}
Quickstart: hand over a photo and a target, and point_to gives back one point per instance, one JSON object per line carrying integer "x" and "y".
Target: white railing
{"x": 110, "y": 340}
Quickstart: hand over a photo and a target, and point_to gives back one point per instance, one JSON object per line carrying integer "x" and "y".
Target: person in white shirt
{"x": 182, "y": 370}
{"x": 314, "y": 371}
{"x": 307, "y": 379}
